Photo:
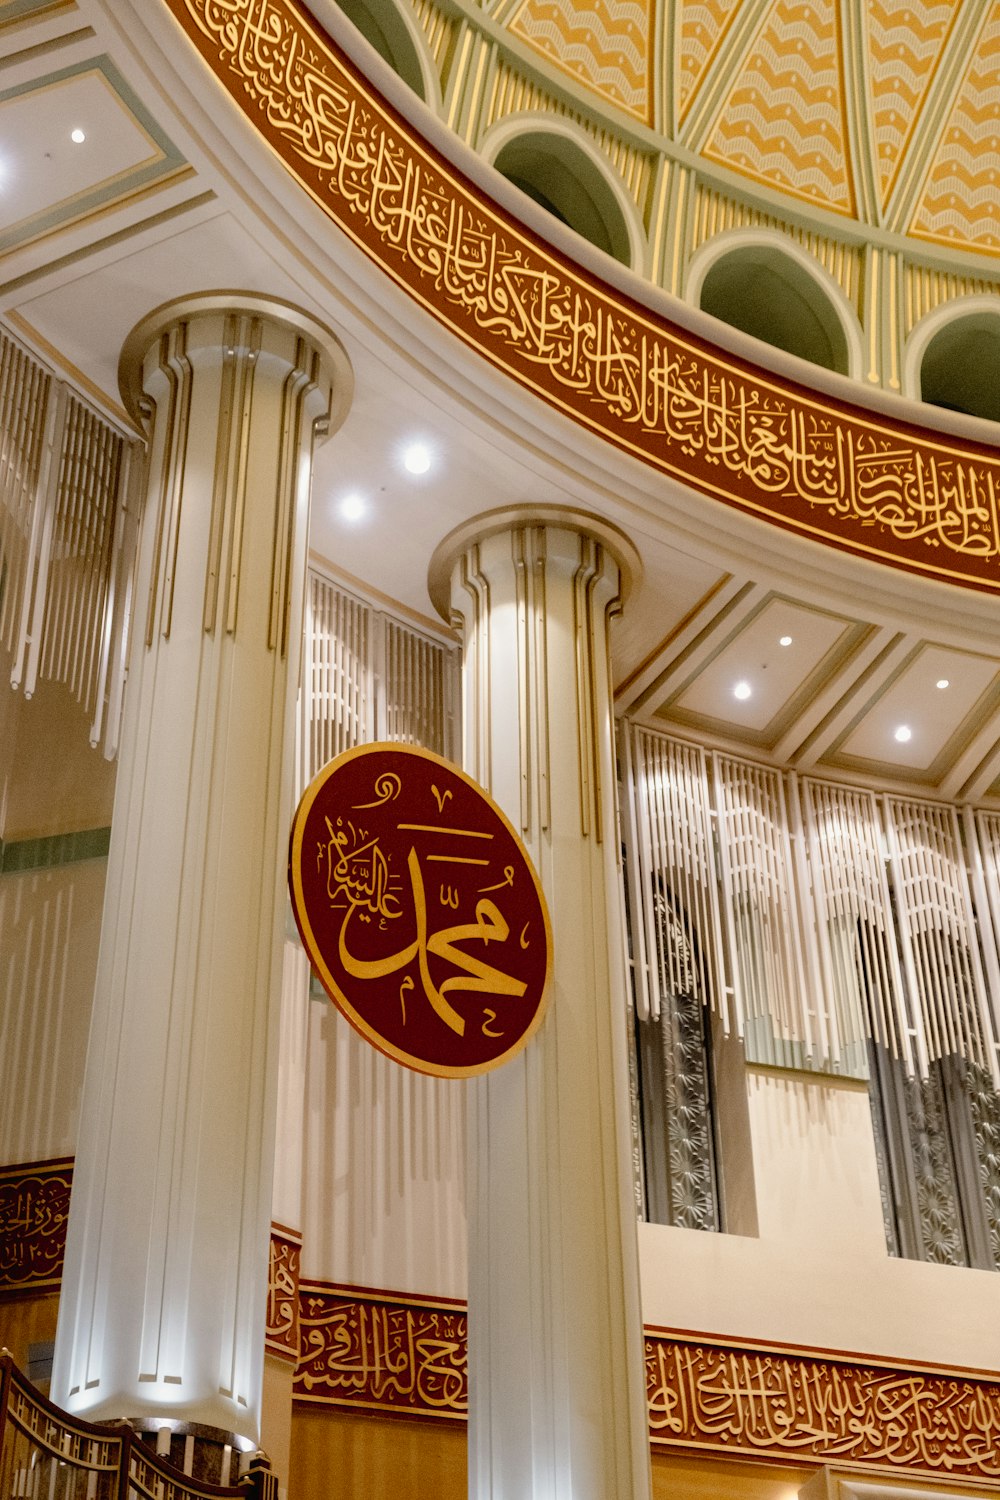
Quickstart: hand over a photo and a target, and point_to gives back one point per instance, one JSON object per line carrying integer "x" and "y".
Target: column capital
{"x": 516, "y": 518}
{"x": 208, "y": 311}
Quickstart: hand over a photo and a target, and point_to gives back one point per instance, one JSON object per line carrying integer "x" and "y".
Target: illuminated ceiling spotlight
{"x": 742, "y": 690}
{"x": 785, "y": 640}
{"x": 353, "y": 507}
{"x": 942, "y": 683}
{"x": 903, "y": 733}
{"x": 417, "y": 458}
{"x": 77, "y": 137}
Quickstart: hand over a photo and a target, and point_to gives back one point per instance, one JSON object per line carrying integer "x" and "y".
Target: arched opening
{"x": 768, "y": 294}
{"x": 558, "y": 175}
{"x": 384, "y": 29}
{"x": 960, "y": 369}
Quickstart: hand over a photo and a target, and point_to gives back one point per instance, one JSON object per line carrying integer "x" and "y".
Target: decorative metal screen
{"x": 672, "y": 864}
{"x": 852, "y": 918}
{"x": 938, "y": 938}
{"x": 64, "y": 473}
{"x": 825, "y": 915}
{"x": 367, "y": 675}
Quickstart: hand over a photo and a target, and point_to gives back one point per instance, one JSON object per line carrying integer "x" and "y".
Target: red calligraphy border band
{"x": 382, "y": 1351}
{"x": 34, "y": 1208}
{"x": 388, "y": 1352}
{"x": 883, "y": 489}
{"x": 358, "y": 1348}
{"x": 775, "y": 1403}
{"x": 282, "y": 1327}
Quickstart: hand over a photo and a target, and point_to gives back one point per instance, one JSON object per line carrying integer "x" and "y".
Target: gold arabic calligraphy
{"x": 34, "y": 1209}
{"x": 815, "y": 466}
{"x": 358, "y": 877}
{"x": 373, "y": 1351}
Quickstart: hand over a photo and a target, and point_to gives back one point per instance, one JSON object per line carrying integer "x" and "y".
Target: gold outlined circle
{"x": 313, "y": 949}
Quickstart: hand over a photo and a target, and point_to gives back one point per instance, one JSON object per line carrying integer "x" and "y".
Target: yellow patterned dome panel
{"x": 603, "y": 46}
{"x": 783, "y": 122}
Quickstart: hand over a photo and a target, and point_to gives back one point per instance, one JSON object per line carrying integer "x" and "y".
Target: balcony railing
{"x": 45, "y": 1454}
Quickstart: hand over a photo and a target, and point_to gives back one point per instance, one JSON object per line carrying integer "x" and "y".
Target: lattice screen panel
{"x": 64, "y": 473}
{"x": 673, "y": 881}
{"x": 419, "y": 694}
{"x": 367, "y": 675}
{"x": 24, "y": 399}
{"x": 812, "y": 916}
{"x": 338, "y": 695}
{"x": 760, "y": 912}
{"x": 852, "y": 911}
{"x": 79, "y": 551}
{"x": 942, "y": 963}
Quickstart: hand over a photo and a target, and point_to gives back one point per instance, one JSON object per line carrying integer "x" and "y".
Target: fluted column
{"x": 164, "y": 1288}
{"x": 557, "y": 1396}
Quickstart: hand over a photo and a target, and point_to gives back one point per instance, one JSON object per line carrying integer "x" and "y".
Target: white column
{"x": 164, "y": 1288}
{"x": 557, "y": 1391}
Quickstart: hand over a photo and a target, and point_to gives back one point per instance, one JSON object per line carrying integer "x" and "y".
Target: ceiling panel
{"x": 914, "y": 702}
{"x": 46, "y": 179}
{"x": 749, "y": 682}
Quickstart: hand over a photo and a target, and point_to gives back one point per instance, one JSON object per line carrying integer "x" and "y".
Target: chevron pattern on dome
{"x": 961, "y": 197}
{"x": 703, "y": 25}
{"x": 604, "y": 46}
{"x": 783, "y": 123}
{"x": 905, "y": 43}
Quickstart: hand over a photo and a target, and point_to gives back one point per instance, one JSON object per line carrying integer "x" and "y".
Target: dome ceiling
{"x": 887, "y": 112}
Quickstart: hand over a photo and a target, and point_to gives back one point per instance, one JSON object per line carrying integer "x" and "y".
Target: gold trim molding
{"x": 822, "y": 468}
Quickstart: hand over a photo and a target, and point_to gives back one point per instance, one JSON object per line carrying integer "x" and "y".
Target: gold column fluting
{"x": 165, "y": 1281}
{"x": 557, "y": 1391}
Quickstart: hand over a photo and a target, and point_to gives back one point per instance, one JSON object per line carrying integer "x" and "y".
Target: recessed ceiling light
{"x": 942, "y": 682}
{"x": 904, "y": 733}
{"x": 77, "y": 137}
{"x": 785, "y": 640}
{"x": 352, "y": 507}
{"x": 742, "y": 690}
{"x": 417, "y": 459}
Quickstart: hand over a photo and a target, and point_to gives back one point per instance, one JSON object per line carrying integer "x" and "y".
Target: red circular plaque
{"x": 420, "y": 910}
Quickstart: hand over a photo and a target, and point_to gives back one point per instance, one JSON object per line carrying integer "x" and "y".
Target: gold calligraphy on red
{"x": 282, "y": 1328}
{"x": 34, "y": 1209}
{"x": 419, "y": 910}
{"x": 361, "y": 1349}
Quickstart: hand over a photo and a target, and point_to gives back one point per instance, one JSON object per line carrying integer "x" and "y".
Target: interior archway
{"x": 766, "y": 293}
{"x": 960, "y": 369}
{"x": 384, "y": 29}
{"x": 558, "y": 174}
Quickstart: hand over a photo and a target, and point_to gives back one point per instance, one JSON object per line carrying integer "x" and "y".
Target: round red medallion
{"x": 420, "y": 910}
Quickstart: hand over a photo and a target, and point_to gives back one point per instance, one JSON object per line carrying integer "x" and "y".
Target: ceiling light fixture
{"x": 742, "y": 690}
{"x": 904, "y": 733}
{"x": 942, "y": 682}
{"x": 785, "y": 640}
{"x": 77, "y": 137}
{"x": 352, "y": 507}
{"x": 416, "y": 459}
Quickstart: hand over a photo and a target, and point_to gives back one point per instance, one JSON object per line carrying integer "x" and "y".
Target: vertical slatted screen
{"x": 24, "y": 400}
{"x": 821, "y": 915}
{"x": 79, "y": 560}
{"x": 63, "y": 575}
{"x": 856, "y": 944}
{"x": 759, "y": 908}
{"x": 937, "y": 928}
{"x": 668, "y": 803}
{"x": 367, "y": 675}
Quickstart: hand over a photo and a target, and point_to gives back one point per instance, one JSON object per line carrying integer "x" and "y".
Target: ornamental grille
{"x": 820, "y": 916}
{"x": 64, "y": 578}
